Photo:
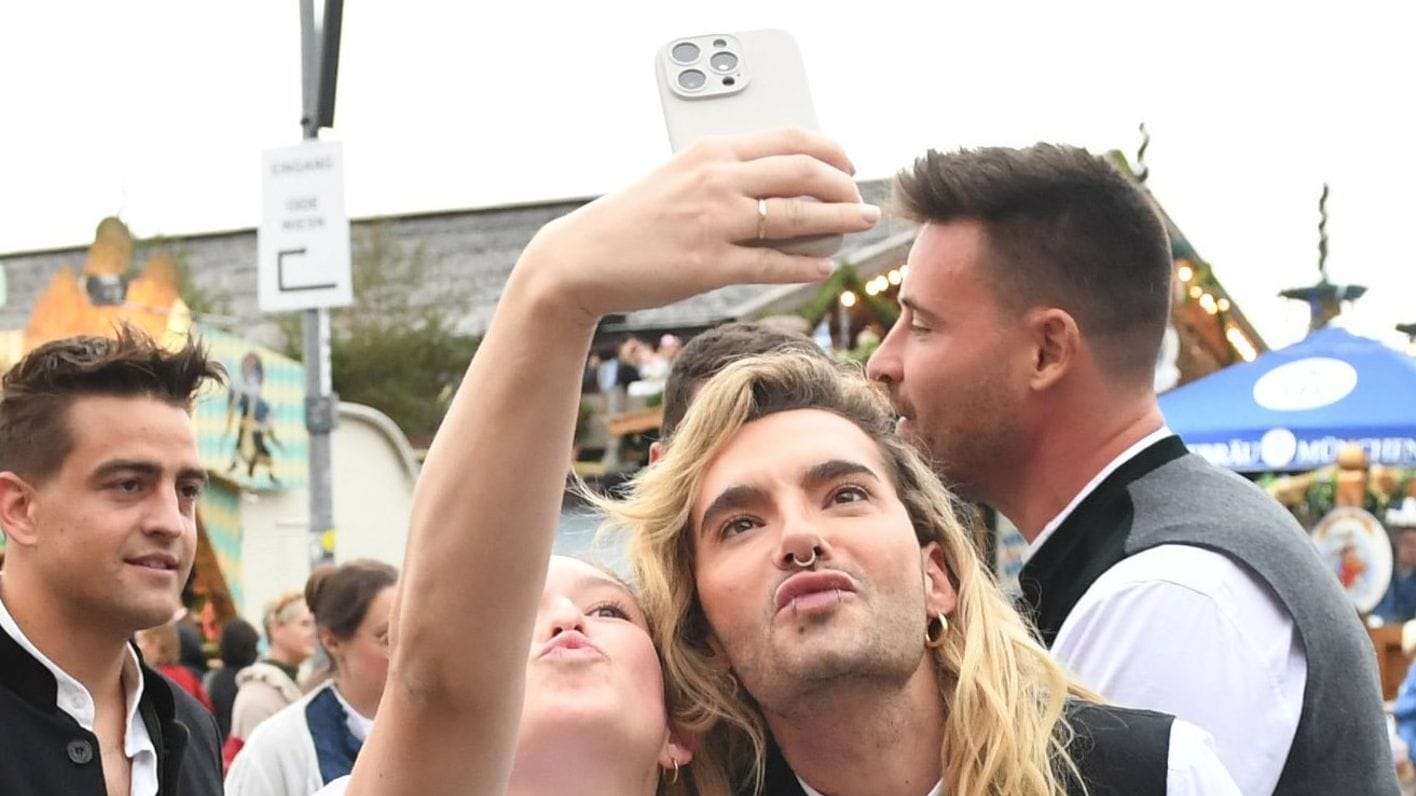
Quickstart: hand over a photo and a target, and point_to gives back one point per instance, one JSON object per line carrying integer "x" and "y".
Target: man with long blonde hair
{"x": 829, "y": 627}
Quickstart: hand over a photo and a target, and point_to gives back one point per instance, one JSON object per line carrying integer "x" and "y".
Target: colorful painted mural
{"x": 252, "y": 432}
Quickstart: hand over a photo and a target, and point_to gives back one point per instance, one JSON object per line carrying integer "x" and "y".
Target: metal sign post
{"x": 319, "y": 72}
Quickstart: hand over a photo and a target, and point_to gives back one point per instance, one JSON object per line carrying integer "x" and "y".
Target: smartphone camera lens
{"x": 685, "y": 52}
{"x": 691, "y": 79}
{"x": 724, "y": 61}
{"x": 719, "y": 43}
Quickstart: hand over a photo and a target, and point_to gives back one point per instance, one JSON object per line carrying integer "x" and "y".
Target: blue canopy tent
{"x": 1294, "y": 408}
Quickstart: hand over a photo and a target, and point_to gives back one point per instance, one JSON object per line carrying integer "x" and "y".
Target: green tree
{"x": 396, "y": 348}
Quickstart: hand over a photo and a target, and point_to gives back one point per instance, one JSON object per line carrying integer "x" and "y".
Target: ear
{"x": 679, "y": 746}
{"x": 329, "y": 641}
{"x": 17, "y": 505}
{"x": 656, "y": 451}
{"x": 940, "y": 596}
{"x": 1057, "y": 343}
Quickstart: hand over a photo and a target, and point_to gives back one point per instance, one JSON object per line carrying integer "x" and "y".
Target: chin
{"x": 828, "y": 656}
{"x": 581, "y": 719}
{"x": 579, "y": 722}
{"x": 150, "y": 613}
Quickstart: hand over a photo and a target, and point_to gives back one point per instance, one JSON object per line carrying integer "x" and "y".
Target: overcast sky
{"x": 159, "y": 111}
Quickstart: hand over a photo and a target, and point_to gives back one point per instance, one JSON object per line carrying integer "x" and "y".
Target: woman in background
{"x": 317, "y": 739}
{"x": 268, "y": 685}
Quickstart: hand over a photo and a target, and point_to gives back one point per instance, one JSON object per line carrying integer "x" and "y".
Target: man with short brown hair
{"x": 99, "y": 480}
{"x": 1023, "y": 364}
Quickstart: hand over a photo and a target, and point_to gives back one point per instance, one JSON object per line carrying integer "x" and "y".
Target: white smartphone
{"x": 730, "y": 83}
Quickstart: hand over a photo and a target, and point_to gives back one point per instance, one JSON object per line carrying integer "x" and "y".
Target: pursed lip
{"x": 804, "y": 583}
{"x": 156, "y": 560}
{"x": 902, "y": 411}
{"x": 568, "y": 640}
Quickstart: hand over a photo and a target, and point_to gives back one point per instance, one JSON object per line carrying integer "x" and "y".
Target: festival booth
{"x": 1294, "y": 409}
{"x": 1328, "y": 427}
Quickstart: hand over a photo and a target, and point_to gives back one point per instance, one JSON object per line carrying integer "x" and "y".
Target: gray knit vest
{"x": 1167, "y": 496}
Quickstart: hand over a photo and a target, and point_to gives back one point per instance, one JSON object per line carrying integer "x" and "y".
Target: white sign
{"x": 1304, "y": 384}
{"x": 303, "y": 243}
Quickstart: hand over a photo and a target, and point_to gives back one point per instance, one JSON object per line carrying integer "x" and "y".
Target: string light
{"x": 1207, "y": 301}
{"x": 1196, "y": 292}
{"x": 1224, "y": 305}
{"x": 894, "y": 278}
{"x": 1241, "y": 344}
{"x": 1186, "y": 273}
{"x": 848, "y": 299}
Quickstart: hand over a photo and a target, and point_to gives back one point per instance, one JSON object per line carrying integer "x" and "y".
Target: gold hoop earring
{"x": 934, "y": 639}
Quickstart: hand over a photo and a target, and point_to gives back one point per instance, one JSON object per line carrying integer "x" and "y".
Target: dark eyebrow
{"x": 834, "y": 469}
{"x": 913, "y": 306}
{"x": 111, "y": 468}
{"x": 736, "y": 497}
{"x": 145, "y": 469}
{"x": 731, "y": 499}
{"x": 193, "y": 474}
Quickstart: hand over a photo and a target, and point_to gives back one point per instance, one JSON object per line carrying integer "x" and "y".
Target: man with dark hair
{"x": 707, "y": 354}
{"x": 1037, "y": 293}
{"x": 99, "y": 479}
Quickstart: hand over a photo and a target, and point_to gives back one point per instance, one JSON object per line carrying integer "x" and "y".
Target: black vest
{"x": 1119, "y": 752}
{"x": 44, "y": 751}
{"x": 1165, "y": 495}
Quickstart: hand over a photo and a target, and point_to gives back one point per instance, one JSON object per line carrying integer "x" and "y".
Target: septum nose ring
{"x": 807, "y": 564}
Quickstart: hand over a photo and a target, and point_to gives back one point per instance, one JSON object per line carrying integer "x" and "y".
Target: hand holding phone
{"x": 726, "y": 84}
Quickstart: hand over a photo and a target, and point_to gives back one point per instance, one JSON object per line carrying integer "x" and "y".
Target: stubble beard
{"x": 965, "y": 455}
{"x": 801, "y": 671}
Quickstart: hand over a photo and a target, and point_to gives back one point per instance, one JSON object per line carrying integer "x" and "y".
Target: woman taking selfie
{"x": 506, "y": 677}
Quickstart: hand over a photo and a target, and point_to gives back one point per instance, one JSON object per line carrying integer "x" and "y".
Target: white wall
{"x": 373, "y": 474}
{"x": 275, "y": 547}
{"x": 374, "y": 471}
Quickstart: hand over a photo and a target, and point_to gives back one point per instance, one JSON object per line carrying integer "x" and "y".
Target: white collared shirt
{"x": 1192, "y": 768}
{"x": 76, "y": 701}
{"x": 1189, "y": 631}
{"x": 358, "y": 724}
{"x": 1101, "y": 475}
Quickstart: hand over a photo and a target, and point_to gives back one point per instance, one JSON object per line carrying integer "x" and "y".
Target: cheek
{"x": 728, "y": 581}
{"x": 373, "y": 659}
{"x": 633, "y": 647}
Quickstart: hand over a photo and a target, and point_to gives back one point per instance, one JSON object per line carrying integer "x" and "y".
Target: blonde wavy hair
{"x": 1005, "y": 730}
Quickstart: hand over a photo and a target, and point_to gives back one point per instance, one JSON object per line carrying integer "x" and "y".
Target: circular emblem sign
{"x": 1309, "y": 383}
{"x": 1278, "y": 447}
{"x": 1356, "y": 549}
